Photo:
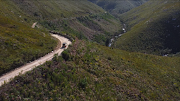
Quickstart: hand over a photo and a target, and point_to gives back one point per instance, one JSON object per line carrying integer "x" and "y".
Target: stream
{"x": 117, "y": 36}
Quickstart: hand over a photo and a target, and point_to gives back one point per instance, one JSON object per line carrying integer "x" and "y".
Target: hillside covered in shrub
{"x": 152, "y": 28}
{"x": 20, "y": 43}
{"x": 117, "y": 7}
{"x": 79, "y": 18}
{"x": 88, "y": 71}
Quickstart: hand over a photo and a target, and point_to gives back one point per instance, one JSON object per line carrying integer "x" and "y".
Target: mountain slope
{"x": 49, "y": 9}
{"x": 88, "y": 71}
{"x": 154, "y": 31}
{"x": 21, "y": 44}
{"x": 117, "y": 7}
{"x": 59, "y": 15}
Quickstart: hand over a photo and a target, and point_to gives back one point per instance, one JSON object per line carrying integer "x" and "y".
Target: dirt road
{"x": 30, "y": 66}
{"x": 34, "y": 25}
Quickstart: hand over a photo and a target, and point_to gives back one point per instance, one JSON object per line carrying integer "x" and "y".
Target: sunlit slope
{"x": 153, "y": 28}
{"x": 49, "y": 9}
{"x": 93, "y": 72}
{"x": 79, "y": 18}
{"x": 21, "y": 44}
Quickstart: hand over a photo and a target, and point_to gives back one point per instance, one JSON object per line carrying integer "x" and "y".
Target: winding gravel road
{"x": 32, "y": 65}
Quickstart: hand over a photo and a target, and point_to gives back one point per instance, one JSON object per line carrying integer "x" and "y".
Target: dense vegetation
{"x": 153, "y": 31}
{"x": 81, "y": 18}
{"x": 56, "y": 9}
{"x": 117, "y": 7}
{"x": 87, "y": 71}
{"x": 21, "y": 44}
{"x": 50, "y": 14}
{"x": 101, "y": 25}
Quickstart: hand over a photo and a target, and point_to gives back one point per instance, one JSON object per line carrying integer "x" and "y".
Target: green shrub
{"x": 65, "y": 55}
{"x": 109, "y": 58}
{"x": 55, "y": 58}
{"x": 83, "y": 83}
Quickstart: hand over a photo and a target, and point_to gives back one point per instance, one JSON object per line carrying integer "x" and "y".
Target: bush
{"x": 65, "y": 55}
{"x": 55, "y": 58}
{"x": 109, "y": 58}
{"x": 83, "y": 83}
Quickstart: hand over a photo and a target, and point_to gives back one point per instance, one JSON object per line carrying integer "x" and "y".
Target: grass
{"x": 95, "y": 72}
{"x": 87, "y": 27}
{"x": 63, "y": 16}
{"x": 117, "y": 7}
{"x": 21, "y": 44}
{"x": 49, "y": 10}
{"x": 86, "y": 70}
{"x": 152, "y": 31}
